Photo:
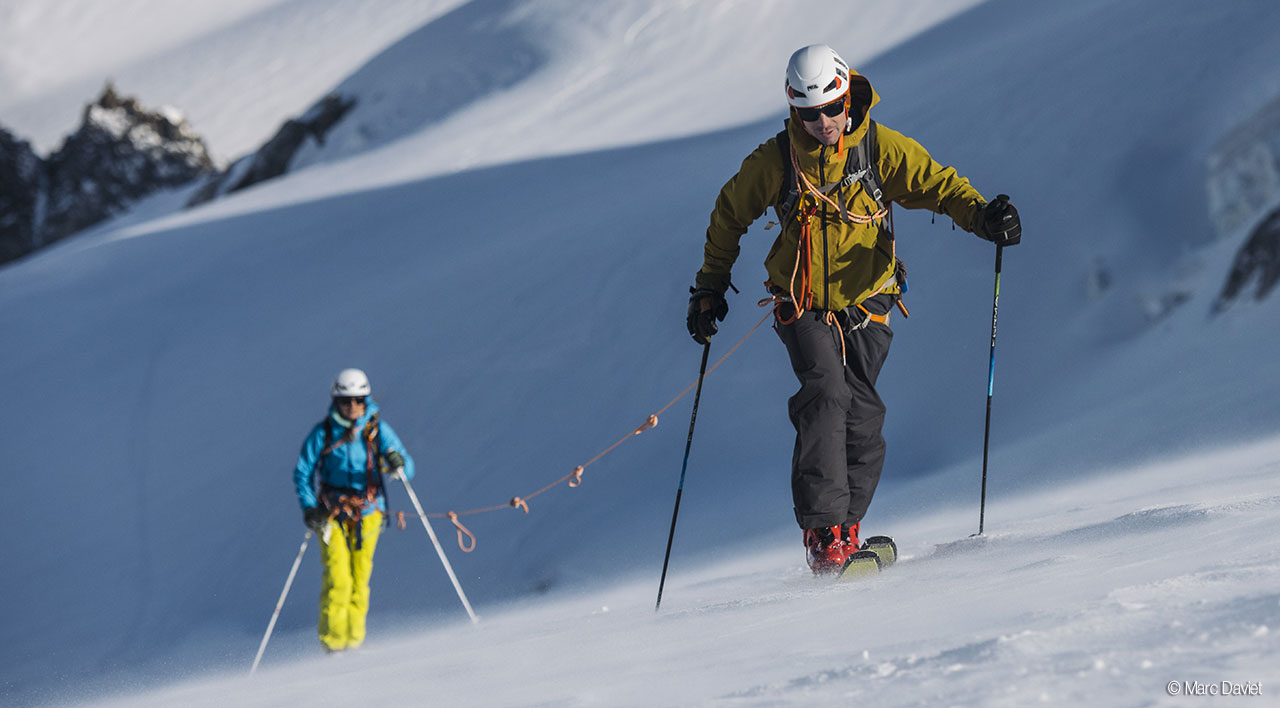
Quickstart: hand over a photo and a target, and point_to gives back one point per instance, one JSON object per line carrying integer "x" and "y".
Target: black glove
{"x": 702, "y": 322}
{"x": 315, "y": 518}
{"x": 999, "y": 223}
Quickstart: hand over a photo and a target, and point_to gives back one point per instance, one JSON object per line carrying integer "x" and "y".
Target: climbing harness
{"x": 801, "y": 200}
{"x": 346, "y": 503}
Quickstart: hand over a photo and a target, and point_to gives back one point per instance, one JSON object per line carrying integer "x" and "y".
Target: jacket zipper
{"x": 826, "y": 272}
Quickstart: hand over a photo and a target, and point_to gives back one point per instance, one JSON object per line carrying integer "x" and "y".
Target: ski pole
{"x": 436, "y": 542}
{"x": 991, "y": 381}
{"x": 688, "y": 443}
{"x": 280, "y": 603}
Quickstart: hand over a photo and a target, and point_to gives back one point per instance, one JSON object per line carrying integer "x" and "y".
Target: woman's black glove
{"x": 315, "y": 518}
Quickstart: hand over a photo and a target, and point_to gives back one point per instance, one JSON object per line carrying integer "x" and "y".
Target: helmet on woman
{"x": 351, "y": 382}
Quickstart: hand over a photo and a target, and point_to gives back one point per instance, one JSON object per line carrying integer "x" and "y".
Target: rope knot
{"x": 647, "y": 424}
{"x": 519, "y": 503}
{"x": 575, "y": 478}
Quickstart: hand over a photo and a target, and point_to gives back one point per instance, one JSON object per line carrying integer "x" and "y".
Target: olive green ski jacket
{"x": 848, "y": 262}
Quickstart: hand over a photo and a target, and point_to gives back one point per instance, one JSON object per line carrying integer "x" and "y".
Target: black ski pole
{"x": 697, "y": 396}
{"x": 991, "y": 382}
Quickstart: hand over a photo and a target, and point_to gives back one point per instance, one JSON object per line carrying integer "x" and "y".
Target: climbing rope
{"x": 467, "y": 539}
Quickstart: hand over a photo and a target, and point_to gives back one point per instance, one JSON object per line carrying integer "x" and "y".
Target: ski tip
{"x": 884, "y": 547}
{"x": 860, "y": 565}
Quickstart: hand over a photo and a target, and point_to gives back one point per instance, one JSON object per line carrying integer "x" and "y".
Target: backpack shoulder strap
{"x": 861, "y": 165}
{"x": 328, "y": 445}
{"x": 372, "y": 440}
{"x": 374, "y": 462}
{"x": 789, "y": 194}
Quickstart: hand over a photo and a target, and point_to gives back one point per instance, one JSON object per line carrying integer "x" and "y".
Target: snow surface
{"x": 512, "y": 272}
{"x": 1088, "y": 594}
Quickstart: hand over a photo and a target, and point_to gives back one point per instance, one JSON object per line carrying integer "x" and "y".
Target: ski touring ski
{"x": 877, "y": 553}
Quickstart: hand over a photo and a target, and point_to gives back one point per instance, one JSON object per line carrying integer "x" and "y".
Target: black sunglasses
{"x": 831, "y": 110}
{"x": 347, "y": 400}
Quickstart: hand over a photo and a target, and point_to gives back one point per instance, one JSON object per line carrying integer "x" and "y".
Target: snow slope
{"x": 1101, "y": 592}
{"x": 519, "y": 304}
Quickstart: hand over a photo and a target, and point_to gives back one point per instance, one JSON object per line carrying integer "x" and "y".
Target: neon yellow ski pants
{"x": 344, "y": 592}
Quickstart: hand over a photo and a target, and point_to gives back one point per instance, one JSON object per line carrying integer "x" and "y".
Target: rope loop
{"x": 575, "y": 478}
{"x": 832, "y": 321}
{"x": 519, "y": 503}
{"x": 453, "y": 516}
{"x": 400, "y": 520}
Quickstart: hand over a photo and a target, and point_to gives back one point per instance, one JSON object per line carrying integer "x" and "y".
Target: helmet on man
{"x": 816, "y": 76}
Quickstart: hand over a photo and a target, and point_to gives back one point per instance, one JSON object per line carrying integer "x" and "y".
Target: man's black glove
{"x": 702, "y": 320}
{"x": 999, "y": 223}
{"x": 315, "y": 518}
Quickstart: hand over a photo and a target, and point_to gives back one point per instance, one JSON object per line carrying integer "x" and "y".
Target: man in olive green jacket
{"x": 834, "y": 275}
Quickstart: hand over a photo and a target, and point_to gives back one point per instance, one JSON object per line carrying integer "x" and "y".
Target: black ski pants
{"x": 837, "y": 414}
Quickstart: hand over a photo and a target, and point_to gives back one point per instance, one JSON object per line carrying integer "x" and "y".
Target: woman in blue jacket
{"x": 348, "y": 452}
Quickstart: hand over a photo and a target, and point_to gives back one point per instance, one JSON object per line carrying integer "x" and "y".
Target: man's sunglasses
{"x": 348, "y": 400}
{"x": 831, "y": 110}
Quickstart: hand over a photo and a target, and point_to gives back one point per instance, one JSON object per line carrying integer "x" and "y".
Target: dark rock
{"x": 21, "y": 186}
{"x": 274, "y": 157}
{"x": 1258, "y": 259}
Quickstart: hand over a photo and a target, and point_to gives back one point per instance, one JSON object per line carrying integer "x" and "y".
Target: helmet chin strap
{"x": 848, "y": 119}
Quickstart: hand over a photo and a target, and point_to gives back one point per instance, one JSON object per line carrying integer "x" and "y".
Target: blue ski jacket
{"x": 344, "y": 466}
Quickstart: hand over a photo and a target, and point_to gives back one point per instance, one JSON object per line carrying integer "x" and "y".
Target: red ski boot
{"x": 826, "y": 550}
{"x": 851, "y": 543}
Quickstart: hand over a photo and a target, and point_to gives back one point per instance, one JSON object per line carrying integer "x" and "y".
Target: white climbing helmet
{"x": 816, "y": 76}
{"x": 351, "y": 382}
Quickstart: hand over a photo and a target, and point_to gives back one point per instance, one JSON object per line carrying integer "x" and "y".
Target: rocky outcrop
{"x": 274, "y": 157}
{"x": 21, "y": 192}
{"x": 1244, "y": 193}
{"x": 1258, "y": 261}
{"x": 120, "y": 153}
